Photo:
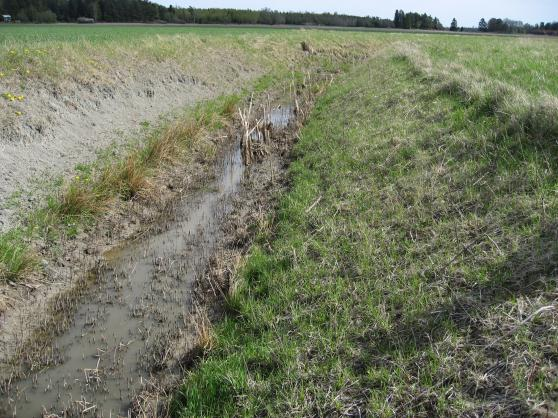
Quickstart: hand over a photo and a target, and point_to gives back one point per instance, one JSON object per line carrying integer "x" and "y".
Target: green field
{"x": 26, "y": 34}
{"x": 411, "y": 268}
{"x": 528, "y": 62}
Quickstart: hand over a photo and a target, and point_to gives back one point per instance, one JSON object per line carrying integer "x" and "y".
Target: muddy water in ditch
{"x": 142, "y": 299}
{"x": 144, "y": 292}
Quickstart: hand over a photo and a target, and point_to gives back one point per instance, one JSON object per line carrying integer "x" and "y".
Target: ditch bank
{"x": 54, "y": 128}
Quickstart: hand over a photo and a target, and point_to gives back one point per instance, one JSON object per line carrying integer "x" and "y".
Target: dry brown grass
{"x": 128, "y": 179}
{"x": 78, "y": 200}
{"x": 205, "y": 336}
{"x": 168, "y": 145}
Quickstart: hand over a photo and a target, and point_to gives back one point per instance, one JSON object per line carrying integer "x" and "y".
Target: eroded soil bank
{"x": 61, "y": 127}
{"x": 126, "y": 325}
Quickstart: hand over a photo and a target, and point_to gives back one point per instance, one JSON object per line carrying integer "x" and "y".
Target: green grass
{"x": 15, "y": 257}
{"x": 415, "y": 286}
{"x": 52, "y": 53}
{"x": 524, "y": 62}
{"x": 98, "y": 33}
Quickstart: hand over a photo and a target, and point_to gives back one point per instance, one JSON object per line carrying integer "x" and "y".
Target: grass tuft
{"x": 15, "y": 257}
{"x": 78, "y": 200}
{"x": 130, "y": 179}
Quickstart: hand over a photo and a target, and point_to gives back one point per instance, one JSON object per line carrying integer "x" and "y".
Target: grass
{"x": 57, "y": 54}
{"x": 15, "y": 257}
{"x": 423, "y": 281}
{"x": 411, "y": 268}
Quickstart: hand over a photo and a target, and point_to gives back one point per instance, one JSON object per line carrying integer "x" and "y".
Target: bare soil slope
{"x": 67, "y": 125}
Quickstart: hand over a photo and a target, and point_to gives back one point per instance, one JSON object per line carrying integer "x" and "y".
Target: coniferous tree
{"x": 453, "y": 26}
{"x": 483, "y": 26}
{"x": 496, "y": 25}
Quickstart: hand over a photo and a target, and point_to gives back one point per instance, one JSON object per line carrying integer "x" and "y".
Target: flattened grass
{"x": 422, "y": 283}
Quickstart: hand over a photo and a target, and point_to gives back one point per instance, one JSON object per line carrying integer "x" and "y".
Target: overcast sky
{"x": 467, "y": 12}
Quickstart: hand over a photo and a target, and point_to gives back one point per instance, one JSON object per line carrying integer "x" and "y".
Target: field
{"x": 406, "y": 266}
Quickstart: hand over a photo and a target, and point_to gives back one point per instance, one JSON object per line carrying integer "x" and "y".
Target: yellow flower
{"x": 18, "y": 113}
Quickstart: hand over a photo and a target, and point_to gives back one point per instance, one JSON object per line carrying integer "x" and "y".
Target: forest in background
{"x": 51, "y": 11}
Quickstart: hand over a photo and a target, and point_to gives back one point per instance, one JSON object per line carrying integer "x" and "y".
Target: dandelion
{"x": 12, "y": 98}
{"x": 18, "y": 113}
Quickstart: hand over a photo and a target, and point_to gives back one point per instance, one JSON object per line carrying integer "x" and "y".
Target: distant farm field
{"x": 529, "y": 62}
{"x": 104, "y": 32}
{"x": 408, "y": 262}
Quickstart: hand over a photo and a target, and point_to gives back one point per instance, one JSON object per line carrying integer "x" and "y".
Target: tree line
{"x": 497, "y": 25}
{"x": 45, "y": 11}
{"x": 271, "y": 17}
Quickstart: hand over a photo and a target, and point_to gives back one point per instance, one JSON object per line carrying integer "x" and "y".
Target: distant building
{"x": 85, "y": 20}
{"x": 6, "y": 18}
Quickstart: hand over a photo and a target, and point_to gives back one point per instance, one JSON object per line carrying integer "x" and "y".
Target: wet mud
{"x": 140, "y": 302}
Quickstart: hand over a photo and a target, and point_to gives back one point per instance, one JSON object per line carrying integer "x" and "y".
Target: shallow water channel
{"x": 141, "y": 298}
{"x": 144, "y": 293}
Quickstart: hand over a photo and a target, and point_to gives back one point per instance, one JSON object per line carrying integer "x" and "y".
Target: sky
{"x": 467, "y": 12}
